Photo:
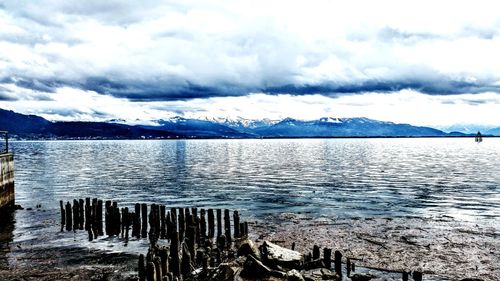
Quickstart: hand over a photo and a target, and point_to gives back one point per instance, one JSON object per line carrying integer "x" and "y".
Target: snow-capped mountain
{"x": 290, "y": 127}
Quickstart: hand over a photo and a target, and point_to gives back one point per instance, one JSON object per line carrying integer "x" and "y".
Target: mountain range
{"x": 35, "y": 127}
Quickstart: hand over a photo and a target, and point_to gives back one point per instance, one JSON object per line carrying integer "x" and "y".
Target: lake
{"x": 335, "y": 177}
{"x": 344, "y": 178}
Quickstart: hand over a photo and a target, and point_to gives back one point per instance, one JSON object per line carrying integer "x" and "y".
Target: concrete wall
{"x": 6, "y": 180}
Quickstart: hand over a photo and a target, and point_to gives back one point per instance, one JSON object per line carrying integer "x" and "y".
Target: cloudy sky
{"x": 431, "y": 63}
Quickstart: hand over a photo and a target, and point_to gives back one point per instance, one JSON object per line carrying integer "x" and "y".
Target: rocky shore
{"x": 381, "y": 249}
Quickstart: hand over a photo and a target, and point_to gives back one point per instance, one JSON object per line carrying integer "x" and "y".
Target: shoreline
{"x": 443, "y": 250}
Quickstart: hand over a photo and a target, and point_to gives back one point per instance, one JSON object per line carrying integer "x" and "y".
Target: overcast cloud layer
{"x": 150, "y": 57}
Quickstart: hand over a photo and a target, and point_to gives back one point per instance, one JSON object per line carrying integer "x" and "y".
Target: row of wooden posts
{"x": 88, "y": 214}
{"x": 191, "y": 233}
{"x": 311, "y": 257}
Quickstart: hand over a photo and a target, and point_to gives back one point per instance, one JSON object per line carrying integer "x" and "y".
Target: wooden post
{"x": 187, "y": 266}
{"x": 242, "y": 230}
{"x": 338, "y": 263}
{"x": 98, "y": 218}
{"x": 159, "y": 273}
{"x": 182, "y": 224}
{"x": 417, "y": 275}
{"x": 107, "y": 216}
{"x": 136, "y": 227}
{"x": 144, "y": 216}
{"x": 164, "y": 260}
{"x": 203, "y": 227}
{"x": 170, "y": 226}
{"x": 221, "y": 242}
{"x": 190, "y": 240}
{"x": 246, "y": 228}
{"x": 219, "y": 222}
{"x": 327, "y": 257}
{"x": 236, "y": 221}
{"x": 142, "y": 268}
{"x": 81, "y": 217}
{"x": 87, "y": 213}
{"x": 348, "y": 267}
{"x": 150, "y": 272}
{"x": 316, "y": 253}
{"x": 173, "y": 217}
{"x": 211, "y": 223}
{"x": 174, "y": 254}
{"x": 63, "y": 215}
{"x": 76, "y": 214}
{"x": 293, "y": 248}
{"x": 69, "y": 218}
{"x": 163, "y": 232}
{"x": 227, "y": 225}
{"x": 405, "y": 276}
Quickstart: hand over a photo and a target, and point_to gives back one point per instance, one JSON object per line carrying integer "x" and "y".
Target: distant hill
{"x": 289, "y": 127}
{"x": 494, "y": 132}
{"x": 197, "y": 128}
{"x": 35, "y": 127}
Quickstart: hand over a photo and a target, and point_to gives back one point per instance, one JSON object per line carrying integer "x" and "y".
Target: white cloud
{"x": 156, "y": 50}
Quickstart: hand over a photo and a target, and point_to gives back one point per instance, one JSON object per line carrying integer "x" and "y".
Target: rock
{"x": 362, "y": 277}
{"x": 320, "y": 274}
{"x": 225, "y": 272}
{"x": 278, "y": 274}
{"x": 246, "y": 248}
{"x": 274, "y": 255}
{"x": 294, "y": 275}
{"x": 254, "y": 268}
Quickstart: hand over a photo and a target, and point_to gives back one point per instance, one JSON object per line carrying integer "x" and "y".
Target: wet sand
{"x": 443, "y": 248}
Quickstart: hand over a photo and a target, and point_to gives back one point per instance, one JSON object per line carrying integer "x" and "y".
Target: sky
{"x": 432, "y": 63}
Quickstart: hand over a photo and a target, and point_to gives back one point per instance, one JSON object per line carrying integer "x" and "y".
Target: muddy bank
{"x": 442, "y": 247}
{"x": 67, "y": 263}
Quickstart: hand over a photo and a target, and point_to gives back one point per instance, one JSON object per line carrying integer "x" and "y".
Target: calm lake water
{"x": 335, "y": 177}
{"x": 428, "y": 178}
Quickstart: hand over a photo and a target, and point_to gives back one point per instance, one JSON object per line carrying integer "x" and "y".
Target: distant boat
{"x": 479, "y": 137}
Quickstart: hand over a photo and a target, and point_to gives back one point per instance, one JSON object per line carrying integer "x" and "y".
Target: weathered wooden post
{"x": 150, "y": 272}
{"x": 405, "y": 276}
{"x": 182, "y": 224}
{"x": 227, "y": 225}
{"x": 327, "y": 257}
{"x": 98, "y": 218}
{"x": 236, "y": 221}
{"x": 338, "y": 263}
{"x": 163, "y": 232}
{"x": 211, "y": 223}
{"x": 76, "y": 215}
{"x": 136, "y": 227}
{"x": 142, "y": 268}
{"x": 87, "y": 213}
{"x": 174, "y": 254}
{"x": 81, "y": 217}
{"x": 417, "y": 275}
{"x": 316, "y": 253}
{"x": 164, "y": 260}
{"x": 69, "y": 218}
{"x": 203, "y": 227}
{"x": 187, "y": 266}
{"x": 348, "y": 267}
{"x": 144, "y": 216}
{"x": 159, "y": 273}
{"x": 219, "y": 222}
{"x": 63, "y": 215}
